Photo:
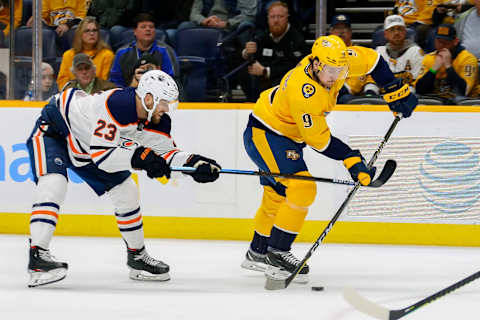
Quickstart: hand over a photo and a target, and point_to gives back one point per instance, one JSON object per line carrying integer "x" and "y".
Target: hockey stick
{"x": 386, "y": 173}
{"x": 276, "y": 284}
{"x": 379, "y": 312}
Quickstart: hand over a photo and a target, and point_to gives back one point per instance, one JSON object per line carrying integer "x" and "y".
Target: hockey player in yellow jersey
{"x": 290, "y": 116}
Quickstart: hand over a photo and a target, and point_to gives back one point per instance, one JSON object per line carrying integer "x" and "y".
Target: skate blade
{"x": 41, "y": 278}
{"x": 141, "y": 275}
{"x": 274, "y": 273}
{"x": 255, "y": 266}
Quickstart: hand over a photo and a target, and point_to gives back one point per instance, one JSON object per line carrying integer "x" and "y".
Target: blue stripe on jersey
{"x": 132, "y": 228}
{"x": 105, "y": 157}
{"x": 382, "y": 74}
{"x": 67, "y": 107}
{"x": 131, "y": 213}
{"x": 46, "y": 204}
{"x": 43, "y": 220}
{"x": 122, "y": 106}
{"x": 165, "y": 124}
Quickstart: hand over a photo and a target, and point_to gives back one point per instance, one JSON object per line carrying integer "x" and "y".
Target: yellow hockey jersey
{"x": 297, "y": 107}
{"x": 464, "y": 64}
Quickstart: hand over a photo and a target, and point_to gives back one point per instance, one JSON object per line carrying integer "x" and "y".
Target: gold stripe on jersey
{"x": 261, "y": 143}
{"x": 298, "y": 107}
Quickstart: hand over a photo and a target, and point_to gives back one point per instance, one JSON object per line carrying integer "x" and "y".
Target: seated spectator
{"x": 468, "y": 26}
{"x": 125, "y": 59}
{"x": 403, "y": 56}
{"x": 49, "y": 87}
{"x": 84, "y": 71}
{"x": 450, "y": 70}
{"x": 225, "y": 15}
{"x": 87, "y": 40}
{"x": 61, "y": 16}
{"x": 5, "y": 15}
{"x": 353, "y": 86}
{"x": 146, "y": 63}
{"x": 273, "y": 52}
{"x": 418, "y": 16}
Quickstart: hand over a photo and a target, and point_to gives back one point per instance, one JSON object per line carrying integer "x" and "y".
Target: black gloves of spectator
{"x": 207, "y": 169}
{"x": 155, "y": 165}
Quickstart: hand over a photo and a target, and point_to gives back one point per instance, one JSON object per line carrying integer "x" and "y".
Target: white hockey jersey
{"x": 103, "y": 129}
{"x": 407, "y": 66}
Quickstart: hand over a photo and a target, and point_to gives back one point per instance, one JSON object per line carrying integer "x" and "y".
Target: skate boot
{"x": 282, "y": 263}
{"x": 43, "y": 268}
{"x": 254, "y": 261}
{"x": 144, "y": 267}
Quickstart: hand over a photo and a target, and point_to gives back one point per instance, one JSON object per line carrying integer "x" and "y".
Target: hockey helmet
{"x": 161, "y": 86}
{"x": 331, "y": 53}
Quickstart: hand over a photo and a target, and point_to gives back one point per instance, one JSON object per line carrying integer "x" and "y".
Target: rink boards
{"x": 433, "y": 198}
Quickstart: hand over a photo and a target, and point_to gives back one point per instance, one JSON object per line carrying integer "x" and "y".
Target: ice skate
{"x": 43, "y": 268}
{"x": 144, "y": 267}
{"x": 280, "y": 264}
{"x": 254, "y": 261}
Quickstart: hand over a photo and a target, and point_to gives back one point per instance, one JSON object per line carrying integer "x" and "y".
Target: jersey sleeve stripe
{"x": 169, "y": 154}
{"x": 73, "y": 146}
{"x": 158, "y": 132}
{"x": 98, "y": 153}
{"x": 98, "y": 162}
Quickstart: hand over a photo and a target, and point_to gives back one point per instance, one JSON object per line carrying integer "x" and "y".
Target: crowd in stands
{"x": 102, "y": 44}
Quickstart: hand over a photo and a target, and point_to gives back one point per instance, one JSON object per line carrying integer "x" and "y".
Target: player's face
{"x": 327, "y": 75}
{"x": 161, "y": 108}
{"x": 145, "y": 31}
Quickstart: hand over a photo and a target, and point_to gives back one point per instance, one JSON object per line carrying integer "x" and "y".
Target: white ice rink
{"x": 208, "y": 283}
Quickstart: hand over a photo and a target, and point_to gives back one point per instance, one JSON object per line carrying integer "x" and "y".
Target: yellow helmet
{"x": 330, "y": 50}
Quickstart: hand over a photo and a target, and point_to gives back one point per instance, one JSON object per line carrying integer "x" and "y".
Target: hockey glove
{"x": 399, "y": 98}
{"x": 207, "y": 169}
{"x": 155, "y": 165}
{"x": 357, "y": 167}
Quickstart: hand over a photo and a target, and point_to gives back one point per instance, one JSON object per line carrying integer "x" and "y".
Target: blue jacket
{"x": 123, "y": 66}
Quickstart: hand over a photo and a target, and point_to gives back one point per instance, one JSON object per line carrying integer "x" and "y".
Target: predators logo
{"x": 292, "y": 154}
{"x": 308, "y": 90}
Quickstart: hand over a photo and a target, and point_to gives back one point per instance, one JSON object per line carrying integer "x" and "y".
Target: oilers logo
{"x": 450, "y": 177}
{"x": 308, "y": 90}
{"x": 128, "y": 144}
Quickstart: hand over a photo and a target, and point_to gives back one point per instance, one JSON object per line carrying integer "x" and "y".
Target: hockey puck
{"x": 318, "y": 288}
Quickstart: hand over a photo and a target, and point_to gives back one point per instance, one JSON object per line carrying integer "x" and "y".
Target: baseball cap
{"x": 81, "y": 58}
{"x": 340, "y": 18}
{"x": 146, "y": 59}
{"x": 392, "y": 21}
{"x": 445, "y": 31}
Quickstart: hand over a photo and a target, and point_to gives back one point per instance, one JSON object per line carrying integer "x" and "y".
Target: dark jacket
{"x": 114, "y": 12}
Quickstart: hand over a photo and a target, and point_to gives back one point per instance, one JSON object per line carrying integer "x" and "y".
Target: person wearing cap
{"x": 353, "y": 86}
{"x": 404, "y": 57}
{"x": 85, "y": 79}
{"x": 273, "y": 52}
{"x": 450, "y": 70}
{"x": 146, "y": 63}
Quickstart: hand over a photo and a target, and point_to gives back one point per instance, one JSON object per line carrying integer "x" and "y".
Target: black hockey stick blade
{"x": 366, "y": 306}
{"x": 385, "y": 175}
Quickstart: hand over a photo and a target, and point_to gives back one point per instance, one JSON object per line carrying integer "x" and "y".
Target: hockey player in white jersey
{"x": 102, "y": 138}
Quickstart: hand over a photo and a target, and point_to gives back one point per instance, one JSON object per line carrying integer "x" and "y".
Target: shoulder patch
{"x": 308, "y": 90}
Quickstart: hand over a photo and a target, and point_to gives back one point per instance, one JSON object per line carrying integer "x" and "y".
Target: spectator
{"x": 49, "y": 87}
{"x": 404, "y": 57}
{"x": 353, "y": 86}
{"x": 87, "y": 40}
{"x": 125, "y": 59}
{"x": 418, "y": 16}
{"x": 226, "y": 15}
{"x": 450, "y": 70}
{"x": 83, "y": 69}
{"x": 5, "y": 15}
{"x": 146, "y": 63}
{"x": 273, "y": 52}
{"x": 168, "y": 14}
{"x": 61, "y": 16}
{"x": 468, "y": 26}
